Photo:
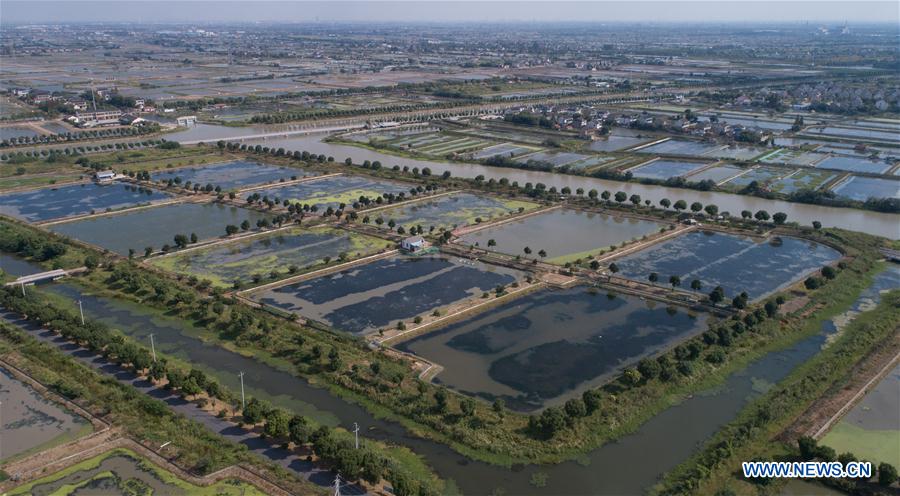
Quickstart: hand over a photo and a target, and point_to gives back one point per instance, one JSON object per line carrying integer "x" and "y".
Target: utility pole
{"x": 81, "y": 311}
{"x": 337, "y": 485}
{"x": 23, "y": 290}
{"x": 152, "y": 347}
{"x": 243, "y": 403}
{"x": 356, "y": 433}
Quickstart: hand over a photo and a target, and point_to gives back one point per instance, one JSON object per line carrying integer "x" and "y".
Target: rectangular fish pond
{"x": 665, "y": 169}
{"x": 155, "y": 227}
{"x": 332, "y": 191}
{"x": 378, "y": 294}
{"x": 232, "y": 175}
{"x": 564, "y": 234}
{"x": 854, "y": 164}
{"x": 862, "y": 188}
{"x": 32, "y": 423}
{"x": 451, "y": 211}
{"x": 551, "y": 345}
{"x": 737, "y": 263}
{"x": 76, "y": 199}
{"x": 241, "y": 260}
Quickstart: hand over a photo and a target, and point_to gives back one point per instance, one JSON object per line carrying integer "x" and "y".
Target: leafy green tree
{"x": 779, "y": 218}
{"x": 277, "y": 423}
{"x": 887, "y": 474}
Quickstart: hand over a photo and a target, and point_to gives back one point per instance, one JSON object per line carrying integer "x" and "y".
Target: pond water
{"x": 15, "y": 266}
{"x": 367, "y": 297}
{"x": 618, "y": 139}
{"x": 846, "y": 132}
{"x": 65, "y": 201}
{"x": 881, "y": 224}
{"x": 734, "y": 262}
{"x": 513, "y": 351}
{"x": 854, "y": 164}
{"x": 450, "y": 211}
{"x": 241, "y": 260}
{"x": 332, "y": 191}
{"x": 629, "y": 466}
{"x": 680, "y": 147}
{"x": 563, "y": 233}
{"x": 665, "y": 169}
{"x": 157, "y": 226}
{"x": 108, "y": 477}
{"x": 8, "y": 132}
{"x": 31, "y": 422}
{"x": 232, "y": 175}
{"x": 716, "y": 174}
{"x": 862, "y": 188}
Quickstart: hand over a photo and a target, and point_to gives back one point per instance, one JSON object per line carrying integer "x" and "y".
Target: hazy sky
{"x": 448, "y": 11}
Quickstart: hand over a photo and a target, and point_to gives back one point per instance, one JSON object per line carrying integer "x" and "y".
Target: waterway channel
{"x": 877, "y": 223}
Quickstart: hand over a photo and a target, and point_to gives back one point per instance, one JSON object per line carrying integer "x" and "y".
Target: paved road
{"x": 229, "y": 431}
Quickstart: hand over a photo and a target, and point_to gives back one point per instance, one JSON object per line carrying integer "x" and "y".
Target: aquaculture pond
{"x": 802, "y": 179}
{"x": 332, "y": 191}
{"x": 564, "y": 234}
{"x": 854, "y": 164}
{"x": 862, "y": 188}
{"x": 715, "y": 174}
{"x": 618, "y": 139}
{"x": 665, "y": 169}
{"x": 629, "y": 466}
{"x": 76, "y": 199}
{"x": 450, "y": 211}
{"x": 232, "y": 175}
{"x": 155, "y": 227}
{"x": 736, "y": 263}
{"x": 123, "y": 472}
{"x": 11, "y": 132}
{"x": 32, "y": 423}
{"x": 367, "y": 297}
{"x": 515, "y": 351}
{"x": 278, "y": 252}
{"x": 679, "y": 147}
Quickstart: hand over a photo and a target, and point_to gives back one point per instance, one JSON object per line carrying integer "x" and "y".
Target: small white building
{"x": 186, "y": 121}
{"x": 106, "y": 176}
{"x": 413, "y": 244}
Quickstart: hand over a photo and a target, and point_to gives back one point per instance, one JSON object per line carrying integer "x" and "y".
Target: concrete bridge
{"x": 50, "y": 275}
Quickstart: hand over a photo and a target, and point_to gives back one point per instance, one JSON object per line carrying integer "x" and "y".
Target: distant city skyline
{"x": 58, "y": 11}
